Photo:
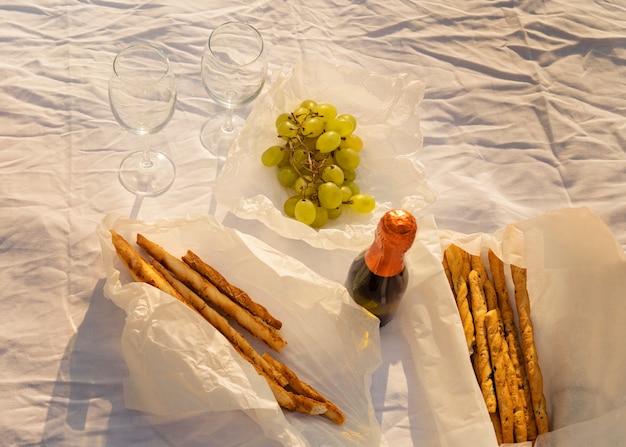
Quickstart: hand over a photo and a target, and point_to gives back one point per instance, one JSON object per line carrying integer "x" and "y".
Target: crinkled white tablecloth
{"x": 523, "y": 114}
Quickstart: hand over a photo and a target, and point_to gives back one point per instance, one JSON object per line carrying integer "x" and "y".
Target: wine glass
{"x": 233, "y": 69}
{"x": 142, "y": 94}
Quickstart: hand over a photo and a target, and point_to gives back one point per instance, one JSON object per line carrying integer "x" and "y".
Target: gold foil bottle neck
{"x": 394, "y": 236}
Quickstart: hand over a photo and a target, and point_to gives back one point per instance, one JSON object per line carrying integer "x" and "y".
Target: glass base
{"x": 150, "y": 180}
{"x": 215, "y": 138}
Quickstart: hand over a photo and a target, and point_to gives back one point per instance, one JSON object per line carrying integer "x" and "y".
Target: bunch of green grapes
{"x": 317, "y": 161}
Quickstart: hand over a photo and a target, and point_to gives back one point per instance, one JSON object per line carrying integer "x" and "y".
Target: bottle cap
{"x": 394, "y": 236}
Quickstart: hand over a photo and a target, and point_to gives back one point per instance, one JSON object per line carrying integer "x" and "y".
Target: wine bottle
{"x": 377, "y": 278}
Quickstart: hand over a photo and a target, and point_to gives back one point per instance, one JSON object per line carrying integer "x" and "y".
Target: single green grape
{"x": 329, "y": 195}
{"x": 328, "y": 142}
{"x": 334, "y": 213}
{"x": 350, "y": 118}
{"x": 272, "y": 156}
{"x": 286, "y": 160}
{"x": 299, "y": 158}
{"x": 304, "y": 211}
{"x": 333, "y": 173}
{"x": 347, "y": 158}
{"x": 312, "y": 127}
{"x": 362, "y": 203}
{"x": 287, "y": 175}
{"x": 321, "y": 217}
{"x": 349, "y": 175}
{"x": 287, "y": 129}
{"x": 304, "y": 186}
{"x": 300, "y": 114}
{"x": 308, "y": 103}
{"x": 353, "y": 187}
{"x": 325, "y": 111}
{"x": 346, "y": 193}
{"x": 353, "y": 141}
{"x": 289, "y": 207}
{"x": 343, "y": 127}
{"x": 282, "y": 118}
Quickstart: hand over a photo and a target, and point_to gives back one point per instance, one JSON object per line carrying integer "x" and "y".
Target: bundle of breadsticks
{"x": 199, "y": 286}
{"x": 504, "y": 359}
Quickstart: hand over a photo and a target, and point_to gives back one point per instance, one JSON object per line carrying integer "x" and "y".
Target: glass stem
{"x": 229, "y": 126}
{"x": 146, "y": 160}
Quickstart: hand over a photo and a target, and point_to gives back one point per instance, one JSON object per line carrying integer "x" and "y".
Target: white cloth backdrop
{"x": 523, "y": 114}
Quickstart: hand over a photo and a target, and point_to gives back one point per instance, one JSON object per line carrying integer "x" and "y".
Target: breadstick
{"x": 457, "y": 259}
{"x": 333, "y": 412}
{"x": 535, "y": 378}
{"x": 458, "y": 262}
{"x": 231, "y": 291}
{"x": 476, "y": 263}
{"x": 292, "y": 401}
{"x": 491, "y": 296}
{"x": 209, "y": 293}
{"x": 141, "y": 270}
{"x": 466, "y": 316}
{"x": 505, "y": 405}
{"x": 520, "y": 427}
{"x": 511, "y": 335}
{"x": 483, "y": 362}
{"x": 465, "y": 266}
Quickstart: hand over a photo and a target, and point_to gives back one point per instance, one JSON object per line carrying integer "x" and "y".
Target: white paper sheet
{"x": 180, "y": 365}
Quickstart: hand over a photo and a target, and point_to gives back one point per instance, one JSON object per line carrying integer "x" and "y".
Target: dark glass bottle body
{"x": 377, "y": 278}
{"x": 380, "y": 295}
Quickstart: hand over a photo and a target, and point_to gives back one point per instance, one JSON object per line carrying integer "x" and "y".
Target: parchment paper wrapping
{"x": 576, "y": 283}
{"x": 386, "y": 110}
{"x": 179, "y": 364}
